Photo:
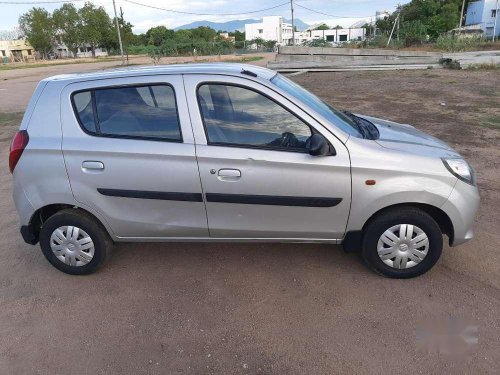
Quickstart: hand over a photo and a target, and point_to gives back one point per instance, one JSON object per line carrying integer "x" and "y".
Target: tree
{"x": 156, "y": 36}
{"x": 96, "y": 27}
{"x": 323, "y": 26}
{"x": 438, "y": 16}
{"x": 271, "y": 44}
{"x": 68, "y": 26}
{"x": 239, "y": 36}
{"x": 413, "y": 32}
{"x": 38, "y": 27}
{"x": 204, "y": 32}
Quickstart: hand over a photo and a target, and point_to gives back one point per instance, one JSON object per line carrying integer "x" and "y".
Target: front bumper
{"x": 461, "y": 207}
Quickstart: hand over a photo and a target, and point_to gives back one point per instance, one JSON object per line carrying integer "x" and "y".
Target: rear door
{"x": 129, "y": 152}
{"x": 258, "y": 178}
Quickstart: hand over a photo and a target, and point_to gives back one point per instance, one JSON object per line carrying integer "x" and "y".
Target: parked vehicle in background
{"x": 228, "y": 152}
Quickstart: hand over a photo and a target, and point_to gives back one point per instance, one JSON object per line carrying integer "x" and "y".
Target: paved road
{"x": 475, "y": 57}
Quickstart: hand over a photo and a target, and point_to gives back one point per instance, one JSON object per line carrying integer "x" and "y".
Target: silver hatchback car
{"x": 228, "y": 152}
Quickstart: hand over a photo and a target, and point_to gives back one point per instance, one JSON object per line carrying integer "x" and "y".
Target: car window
{"x": 239, "y": 116}
{"x": 134, "y": 111}
{"x": 327, "y": 111}
{"x": 83, "y": 105}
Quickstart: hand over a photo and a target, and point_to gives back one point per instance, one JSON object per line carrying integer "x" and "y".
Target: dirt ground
{"x": 266, "y": 308}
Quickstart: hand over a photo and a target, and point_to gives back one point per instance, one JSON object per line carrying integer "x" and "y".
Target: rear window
{"x": 148, "y": 111}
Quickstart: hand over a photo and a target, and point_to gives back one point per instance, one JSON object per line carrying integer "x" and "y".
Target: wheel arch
{"x": 42, "y": 214}
{"x": 353, "y": 239}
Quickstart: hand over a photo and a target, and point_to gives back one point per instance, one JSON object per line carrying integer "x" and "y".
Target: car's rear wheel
{"x": 402, "y": 242}
{"x": 75, "y": 242}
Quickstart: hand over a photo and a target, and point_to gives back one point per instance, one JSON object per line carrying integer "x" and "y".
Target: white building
{"x": 84, "y": 51}
{"x": 482, "y": 14}
{"x": 273, "y": 28}
{"x": 331, "y": 35}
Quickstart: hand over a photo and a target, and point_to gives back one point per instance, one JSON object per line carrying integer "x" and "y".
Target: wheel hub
{"x": 72, "y": 246}
{"x": 403, "y": 246}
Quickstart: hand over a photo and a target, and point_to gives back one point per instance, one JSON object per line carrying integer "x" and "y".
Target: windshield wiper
{"x": 367, "y": 129}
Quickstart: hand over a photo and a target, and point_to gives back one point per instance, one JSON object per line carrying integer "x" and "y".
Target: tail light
{"x": 19, "y": 143}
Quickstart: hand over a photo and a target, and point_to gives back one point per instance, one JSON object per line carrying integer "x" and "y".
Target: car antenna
{"x": 248, "y": 73}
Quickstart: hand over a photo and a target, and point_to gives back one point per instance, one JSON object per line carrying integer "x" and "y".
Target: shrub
{"x": 451, "y": 43}
{"x": 317, "y": 43}
{"x": 413, "y": 32}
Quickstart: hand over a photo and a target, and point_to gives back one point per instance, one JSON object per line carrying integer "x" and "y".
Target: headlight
{"x": 461, "y": 169}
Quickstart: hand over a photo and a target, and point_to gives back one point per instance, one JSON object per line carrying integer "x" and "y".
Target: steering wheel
{"x": 288, "y": 139}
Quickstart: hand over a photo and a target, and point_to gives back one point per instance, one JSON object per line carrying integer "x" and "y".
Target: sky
{"x": 349, "y": 11}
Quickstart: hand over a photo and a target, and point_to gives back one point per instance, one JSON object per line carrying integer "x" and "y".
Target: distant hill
{"x": 235, "y": 25}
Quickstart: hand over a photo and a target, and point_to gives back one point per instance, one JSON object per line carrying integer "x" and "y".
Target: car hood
{"x": 405, "y": 137}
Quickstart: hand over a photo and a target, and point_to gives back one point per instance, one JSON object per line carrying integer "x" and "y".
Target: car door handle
{"x": 92, "y": 165}
{"x": 227, "y": 174}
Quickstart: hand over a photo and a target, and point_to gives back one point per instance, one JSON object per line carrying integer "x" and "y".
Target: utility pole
{"x": 392, "y": 31}
{"x": 461, "y": 16}
{"x": 293, "y": 24}
{"x": 495, "y": 23}
{"x": 119, "y": 34}
{"x": 399, "y": 8}
{"x": 123, "y": 24}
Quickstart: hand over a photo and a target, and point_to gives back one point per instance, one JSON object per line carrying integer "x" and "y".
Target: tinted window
{"x": 83, "y": 105}
{"x": 138, "y": 111}
{"x": 327, "y": 111}
{"x": 238, "y": 116}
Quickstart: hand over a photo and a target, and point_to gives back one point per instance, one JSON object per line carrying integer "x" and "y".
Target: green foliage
{"x": 68, "y": 24}
{"x": 451, "y": 43}
{"x": 96, "y": 27}
{"x": 317, "y": 43}
{"x": 413, "y": 32}
{"x": 204, "y": 33}
{"x": 238, "y": 36}
{"x": 437, "y": 16}
{"x": 323, "y": 26}
{"x": 38, "y": 27}
{"x": 156, "y": 36}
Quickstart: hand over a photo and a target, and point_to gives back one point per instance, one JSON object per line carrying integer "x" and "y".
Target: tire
{"x": 76, "y": 254}
{"x": 410, "y": 223}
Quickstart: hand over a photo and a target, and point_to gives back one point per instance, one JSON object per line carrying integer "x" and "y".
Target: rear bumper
{"x": 461, "y": 207}
{"x": 29, "y": 234}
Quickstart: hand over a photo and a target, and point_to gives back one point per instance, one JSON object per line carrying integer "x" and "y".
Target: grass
{"x": 10, "y": 118}
{"x": 492, "y": 122}
{"x": 484, "y": 66}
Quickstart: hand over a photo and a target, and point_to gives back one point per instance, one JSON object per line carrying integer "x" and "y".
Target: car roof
{"x": 208, "y": 68}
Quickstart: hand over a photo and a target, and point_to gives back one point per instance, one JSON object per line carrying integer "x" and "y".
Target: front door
{"x": 129, "y": 151}
{"x": 258, "y": 178}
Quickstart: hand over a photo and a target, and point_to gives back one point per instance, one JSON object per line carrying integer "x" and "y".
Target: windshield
{"x": 327, "y": 111}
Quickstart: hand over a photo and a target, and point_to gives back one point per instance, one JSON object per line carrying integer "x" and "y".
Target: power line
{"x": 330, "y": 15}
{"x": 38, "y": 2}
{"x": 206, "y": 14}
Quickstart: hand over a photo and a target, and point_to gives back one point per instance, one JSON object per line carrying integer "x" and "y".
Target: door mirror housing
{"x": 317, "y": 145}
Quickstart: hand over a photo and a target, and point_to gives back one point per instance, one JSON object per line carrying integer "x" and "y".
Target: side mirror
{"x": 317, "y": 145}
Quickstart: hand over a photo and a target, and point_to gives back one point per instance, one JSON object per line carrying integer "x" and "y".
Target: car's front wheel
{"x": 403, "y": 242}
{"x": 75, "y": 242}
